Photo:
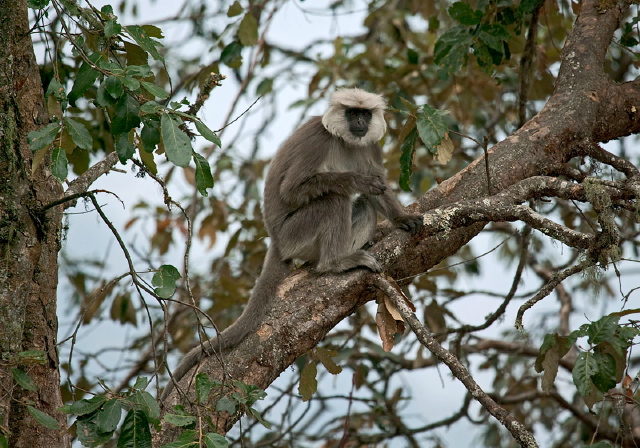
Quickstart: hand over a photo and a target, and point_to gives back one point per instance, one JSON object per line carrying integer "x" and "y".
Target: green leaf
{"x": 114, "y": 86}
{"x": 407, "y": 150}
{"x": 43, "y": 137}
{"x": 248, "y": 30}
{"x": 605, "y": 376}
{"x": 147, "y": 403}
{"x": 141, "y": 37}
{"x": 203, "y": 386}
{"x": 59, "y": 164}
{"x": 135, "y": 432}
{"x": 493, "y": 36}
{"x": 141, "y": 383}
{"x": 326, "y": 358}
{"x": 103, "y": 98}
{"x": 187, "y": 439}
{"x": 265, "y": 86}
{"x": 43, "y": 418}
{"x": 231, "y": 54}
{"x": 412, "y": 56}
{"x": 452, "y": 49}
{"x": 212, "y": 440}
{"x": 112, "y": 28}
{"x": 256, "y": 414}
{"x": 139, "y": 71}
{"x": 88, "y": 433}
{"x": 463, "y": 13}
{"x": 108, "y": 417}
{"x": 584, "y": 368}
{"x": 84, "y": 407}
{"x": 235, "y": 9}
{"x": 431, "y": 127}
{"x": 131, "y": 83}
{"x": 150, "y": 108}
{"x": 56, "y": 90}
{"x": 528, "y": 6}
{"x": 165, "y": 281}
{"x": 155, "y": 90}
{"x": 150, "y": 135}
{"x": 124, "y": 147}
{"x": 208, "y": 133}
{"x": 153, "y": 31}
{"x": 38, "y": 4}
{"x": 79, "y": 133}
{"x": 308, "y": 382}
{"x": 126, "y": 116}
{"x": 179, "y": 420}
{"x": 177, "y": 145}
{"x": 23, "y": 380}
{"x": 204, "y": 179}
{"x": 85, "y": 77}
{"x": 603, "y": 329}
{"x": 3, "y": 441}
{"x": 226, "y": 404}
{"x": 32, "y": 356}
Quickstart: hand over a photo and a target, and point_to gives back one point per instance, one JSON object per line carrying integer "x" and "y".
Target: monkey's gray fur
{"x": 322, "y": 194}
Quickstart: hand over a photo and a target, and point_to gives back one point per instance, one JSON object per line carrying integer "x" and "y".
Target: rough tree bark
{"x": 586, "y": 108}
{"x": 29, "y": 243}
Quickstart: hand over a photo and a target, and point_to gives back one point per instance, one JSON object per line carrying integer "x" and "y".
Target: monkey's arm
{"x": 298, "y": 191}
{"x": 390, "y": 207}
{"x": 305, "y": 174}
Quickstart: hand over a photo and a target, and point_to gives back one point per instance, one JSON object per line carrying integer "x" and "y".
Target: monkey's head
{"x": 356, "y": 116}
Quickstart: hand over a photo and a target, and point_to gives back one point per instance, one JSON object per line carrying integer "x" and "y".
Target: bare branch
{"x": 82, "y": 183}
{"x": 519, "y": 432}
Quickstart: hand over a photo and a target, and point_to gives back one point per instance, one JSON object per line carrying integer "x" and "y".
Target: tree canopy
{"x": 511, "y": 318}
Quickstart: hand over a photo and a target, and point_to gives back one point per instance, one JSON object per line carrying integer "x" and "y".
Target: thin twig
{"x": 555, "y": 280}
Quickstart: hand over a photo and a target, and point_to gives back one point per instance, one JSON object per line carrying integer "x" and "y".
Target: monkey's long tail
{"x": 274, "y": 271}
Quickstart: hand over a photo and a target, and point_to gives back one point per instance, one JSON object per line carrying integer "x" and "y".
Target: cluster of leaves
{"x": 99, "y": 417}
{"x": 127, "y": 95}
{"x": 234, "y": 397}
{"x": 630, "y": 36}
{"x": 597, "y": 369}
{"x": 21, "y": 361}
{"x": 484, "y": 34}
{"x": 430, "y": 126}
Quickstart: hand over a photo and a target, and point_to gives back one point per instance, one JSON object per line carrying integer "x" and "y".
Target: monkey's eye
{"x": 366, "y": 113}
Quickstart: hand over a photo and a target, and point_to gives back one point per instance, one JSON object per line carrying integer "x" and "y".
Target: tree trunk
{"x": 29, "y": 244}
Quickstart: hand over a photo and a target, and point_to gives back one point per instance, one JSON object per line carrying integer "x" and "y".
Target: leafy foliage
{"x": 596, "y": 370}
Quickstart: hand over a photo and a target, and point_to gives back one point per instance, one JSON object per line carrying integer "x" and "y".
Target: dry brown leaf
{"x": 386, "y": 326}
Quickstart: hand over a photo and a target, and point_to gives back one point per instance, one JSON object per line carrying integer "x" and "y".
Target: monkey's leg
{"x": 321, "y": 233}
{"x": 340, "y": 237}
{"x": 364, "y": 218}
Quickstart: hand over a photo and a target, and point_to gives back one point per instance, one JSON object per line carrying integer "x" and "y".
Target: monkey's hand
{"x": 373, "y": 185}
{"x": 409, "y": 222}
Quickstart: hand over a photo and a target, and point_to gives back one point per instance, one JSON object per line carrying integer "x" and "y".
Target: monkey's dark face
{"x": 358, "y": 120}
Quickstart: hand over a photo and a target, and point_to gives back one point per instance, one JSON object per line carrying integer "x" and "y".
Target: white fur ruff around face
{"x": 334, "y": 119}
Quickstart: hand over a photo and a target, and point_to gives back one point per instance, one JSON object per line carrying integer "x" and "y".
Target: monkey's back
{"x": 295, "y": 161}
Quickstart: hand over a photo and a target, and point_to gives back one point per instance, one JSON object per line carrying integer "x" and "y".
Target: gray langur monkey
{"x": 324, "y": 189}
